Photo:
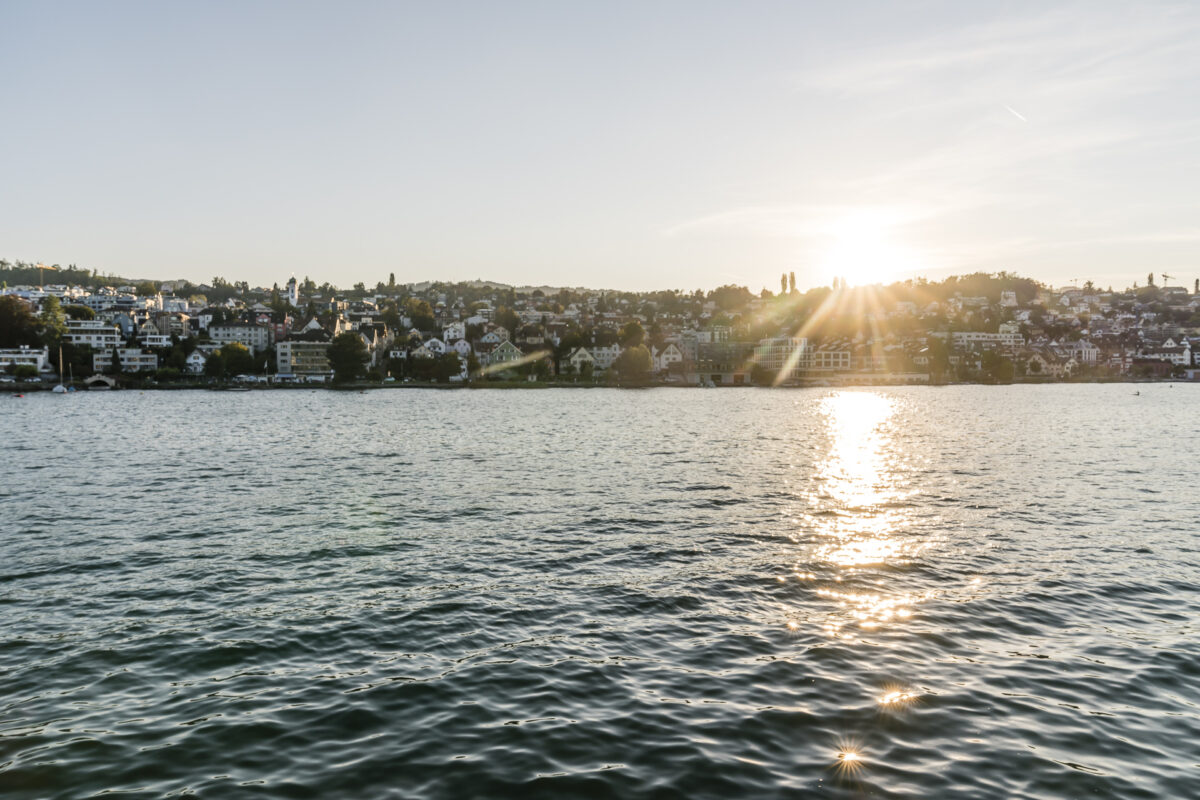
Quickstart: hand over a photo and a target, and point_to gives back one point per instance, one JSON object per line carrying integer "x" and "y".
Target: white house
{"x": 150, "y": 336}
{"x": 663, "y": 359}
{"x": 195, "y": 362}
{"x": 505, "y": 353}
{"x": 580, "y": 356}
{"x": 604, "y": 356}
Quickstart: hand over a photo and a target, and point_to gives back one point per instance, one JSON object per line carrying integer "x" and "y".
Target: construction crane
{"x": 1167, "y": 278}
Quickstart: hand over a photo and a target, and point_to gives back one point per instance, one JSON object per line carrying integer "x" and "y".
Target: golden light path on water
{"x": 856, "y": 513}
{"x": 854, "y": 527}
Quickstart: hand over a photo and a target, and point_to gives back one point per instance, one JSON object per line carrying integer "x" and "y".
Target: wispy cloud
{"x": 977, "y": 182}
{"x": 794, "y": 221}
{"x": 1016, "y": 114}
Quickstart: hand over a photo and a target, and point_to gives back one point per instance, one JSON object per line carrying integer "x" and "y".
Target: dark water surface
{"x": 925, "y": 592}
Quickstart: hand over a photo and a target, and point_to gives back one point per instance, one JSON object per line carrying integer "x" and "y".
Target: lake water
{"x": 915, "y": 592}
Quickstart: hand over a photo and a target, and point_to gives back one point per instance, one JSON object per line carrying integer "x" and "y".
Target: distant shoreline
{"x": 18, "y": 388}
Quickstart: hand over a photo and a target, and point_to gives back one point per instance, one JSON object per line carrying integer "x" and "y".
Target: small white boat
{"x": 60, "y": 389}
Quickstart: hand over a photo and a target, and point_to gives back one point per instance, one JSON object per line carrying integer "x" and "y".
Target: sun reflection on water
{"x": 858, "y": 509}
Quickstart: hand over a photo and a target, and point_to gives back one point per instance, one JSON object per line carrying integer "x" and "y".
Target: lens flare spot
{"x": 896, "y": 697}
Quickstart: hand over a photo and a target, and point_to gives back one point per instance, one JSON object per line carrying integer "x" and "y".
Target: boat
{"x": 71, "y": 380}
{"x": 60, "y": 389}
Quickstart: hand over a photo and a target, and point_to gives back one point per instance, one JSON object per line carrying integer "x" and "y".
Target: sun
{"x": 864, "y": 250}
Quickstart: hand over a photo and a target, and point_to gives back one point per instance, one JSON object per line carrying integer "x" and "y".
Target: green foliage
{"x": 238, "y": 360}
{"x": 214, "y": 367}
{"x": 761, "y": 376}
{"x": 632, "y": 334}
{"x": 18, "y": 325}
{"x": 77, "y": 359}
{"x": 730, "y": 297}
{"x": 20, "y": 272}
{"x": 420, "y": 313}
{"x": 348, "y": 357}
{"x": 507, "y": 318}
{"x": 53, "y": 322}
{"x": 25, "y": 371}
{"x": 79, "y": 312}
{"x": 634, "y": 364}
{"x": 997, "y": 367}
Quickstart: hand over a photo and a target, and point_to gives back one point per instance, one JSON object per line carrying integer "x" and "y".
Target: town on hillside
{"x": 994, "y": 328}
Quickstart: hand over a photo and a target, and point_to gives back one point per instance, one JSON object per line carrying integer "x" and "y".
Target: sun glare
{"x": 865, "y": 250}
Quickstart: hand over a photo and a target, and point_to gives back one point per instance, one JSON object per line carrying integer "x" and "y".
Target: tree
{"x": 632, "y": 334}
{"x": 783, "y": 284}
{"x": 507, "y": 318}
{"x": 447, "y": 366}
{"x": 18, "y": 326}
{"x": 238, "y": 358}
{"x": 996, "y": 366}
{"x": 420, "y": 313}
{"x": 792, "y": 281}
{"x": 214, "y": 367}
{"x": 1150, "y": 279}
{"x": 348, "y": 357}
{"x": 53, "y": 322}
{"x": 634, "y": 364}
{"x": 79, "y": 312}
{"x": 761, "y": 376}
{"x": 730, "y": 297}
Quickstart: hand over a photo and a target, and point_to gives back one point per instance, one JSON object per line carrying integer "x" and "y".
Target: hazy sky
{"x": 626, "y": 145}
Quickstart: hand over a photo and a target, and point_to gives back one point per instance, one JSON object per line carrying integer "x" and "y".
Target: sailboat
{"x": 71, "y": 382}
{"x": 60, "y": 389}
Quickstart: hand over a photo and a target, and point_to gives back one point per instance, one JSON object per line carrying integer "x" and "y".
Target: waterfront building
{"x": 663, "y": 359}
{"x": 302, "y": 359}
{"x": 782, "y": 355}
{"x": 95, "y": 333}
{"x": 505, "y": 353}
{"x": 133, "y": 359}
{"x": 195, "y": 362}
{"x": 580, "y": 357}
{"x": 16, "y": 356}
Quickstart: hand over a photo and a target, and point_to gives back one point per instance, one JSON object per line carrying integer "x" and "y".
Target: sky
{"x": 640, "y": 145}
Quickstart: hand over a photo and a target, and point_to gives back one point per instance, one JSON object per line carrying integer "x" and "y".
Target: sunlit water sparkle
{"x": 955, "y": 591}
